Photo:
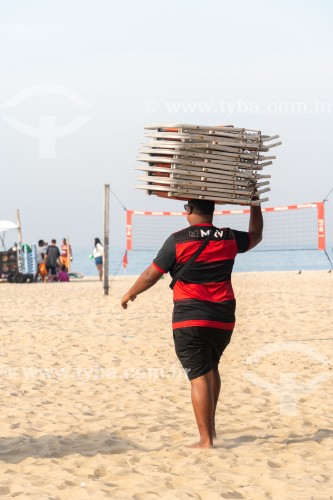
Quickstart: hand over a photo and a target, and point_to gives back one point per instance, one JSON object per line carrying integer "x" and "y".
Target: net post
{"x": 129, "y": 242}
{"x": 321, "y": 226}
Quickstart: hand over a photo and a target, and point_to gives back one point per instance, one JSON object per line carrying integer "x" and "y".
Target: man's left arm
{"x": 255, "y": 226}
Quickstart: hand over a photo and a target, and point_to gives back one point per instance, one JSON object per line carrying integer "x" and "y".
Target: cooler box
{"x": 8, "y": 263}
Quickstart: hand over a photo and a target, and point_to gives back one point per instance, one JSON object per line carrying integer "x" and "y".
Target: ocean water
{"x": 252, "y": 261}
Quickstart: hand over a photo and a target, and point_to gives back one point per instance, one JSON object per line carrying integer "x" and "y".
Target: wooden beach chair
{"x": 193, "y": 161}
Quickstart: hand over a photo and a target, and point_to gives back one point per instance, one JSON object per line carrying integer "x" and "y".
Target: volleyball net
{"x": 291, "y": 227}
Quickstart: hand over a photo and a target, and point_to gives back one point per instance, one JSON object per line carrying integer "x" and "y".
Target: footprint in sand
{"x": 273, "y": 465}
{"x": 149, "y": 495}
{"x": 320, "y": 478}
{"x": 100, "y": 471}
{"x": 232, "y": 494}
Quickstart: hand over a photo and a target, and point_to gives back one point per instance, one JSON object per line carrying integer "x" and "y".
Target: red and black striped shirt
{"x": 203, "y": 295}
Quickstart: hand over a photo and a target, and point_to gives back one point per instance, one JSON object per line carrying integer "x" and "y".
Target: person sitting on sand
{"x": 204, "y": 302}
{"x": 63, "y": 274}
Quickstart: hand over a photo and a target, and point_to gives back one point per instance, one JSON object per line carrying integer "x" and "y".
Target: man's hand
{"x": 126, "y": 298}
{"x": 146, "y": 280}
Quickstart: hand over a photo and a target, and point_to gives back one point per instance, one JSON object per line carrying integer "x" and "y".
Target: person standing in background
{"x": 41, "y": 269}
{"x": 98, "y": 253}
{"x": 52, "y": 259}
{"x": 66, "y": 254}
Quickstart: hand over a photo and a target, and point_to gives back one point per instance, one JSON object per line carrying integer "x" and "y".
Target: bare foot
{"x": 200, "y": 445}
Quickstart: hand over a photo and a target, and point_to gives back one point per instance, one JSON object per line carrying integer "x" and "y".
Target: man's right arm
{"x": 153, "y": 273}
{"x": 146, "y": 280}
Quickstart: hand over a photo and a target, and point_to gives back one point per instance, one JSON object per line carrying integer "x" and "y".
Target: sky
{"x": 81, "y": 79}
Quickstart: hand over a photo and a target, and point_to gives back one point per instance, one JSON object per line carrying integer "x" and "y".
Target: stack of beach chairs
{"x": 218, "y": 163}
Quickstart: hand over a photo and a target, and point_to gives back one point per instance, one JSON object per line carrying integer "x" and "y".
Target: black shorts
{"x": 199, "y": 349}
{"x": 53, "y": 270}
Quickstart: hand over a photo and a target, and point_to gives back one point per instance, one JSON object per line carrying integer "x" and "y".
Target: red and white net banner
{"x": 310, "y": 228}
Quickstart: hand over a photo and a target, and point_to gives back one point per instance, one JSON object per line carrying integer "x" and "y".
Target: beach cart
{"x": 19, "y": 263}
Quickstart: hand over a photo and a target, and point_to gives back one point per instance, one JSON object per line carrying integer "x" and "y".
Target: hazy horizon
{"x": 81, "y": 80}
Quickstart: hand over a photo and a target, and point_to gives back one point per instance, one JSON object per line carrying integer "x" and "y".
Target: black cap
{"x": 203, "y": 206}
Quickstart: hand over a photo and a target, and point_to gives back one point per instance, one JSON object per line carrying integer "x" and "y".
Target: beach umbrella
{"x": 6, "y": 224}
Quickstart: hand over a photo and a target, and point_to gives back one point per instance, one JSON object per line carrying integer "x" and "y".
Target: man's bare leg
{"x": 203, "y": 406}
{"x": 216, "y": 387}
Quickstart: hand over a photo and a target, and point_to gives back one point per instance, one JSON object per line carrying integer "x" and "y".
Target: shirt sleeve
{"x": 166, "y": 256}
{"x": 243, "y": 240}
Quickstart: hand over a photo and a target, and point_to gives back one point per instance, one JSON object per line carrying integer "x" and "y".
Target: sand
{"x": 95, "y": 404}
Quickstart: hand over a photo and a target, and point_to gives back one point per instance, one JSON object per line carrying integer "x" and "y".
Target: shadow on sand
{"x": 16, "y": 449}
